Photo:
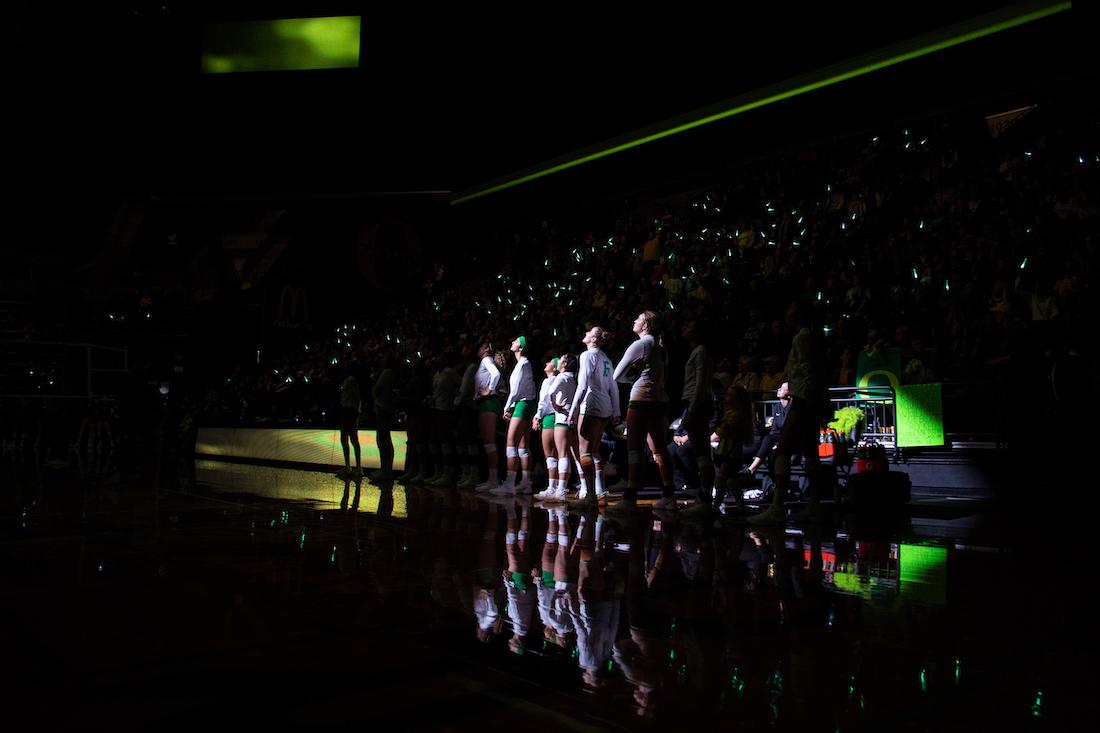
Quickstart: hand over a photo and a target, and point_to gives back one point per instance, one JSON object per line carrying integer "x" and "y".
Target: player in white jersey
{"x": 595, "y": 403}
{"x": 486, "y": 385}
{"x": 647, "y": 412}
{"x": 561, "y": 395}
{"x": 543, "y": 422}
{"x": 518, "y": 411}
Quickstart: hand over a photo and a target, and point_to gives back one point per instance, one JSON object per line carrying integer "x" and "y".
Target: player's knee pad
{"x": 511, "y": 452}
{"x": 563, "y": 465}
{"x": 523, "y": 452}
{"x": 490, "y": 447}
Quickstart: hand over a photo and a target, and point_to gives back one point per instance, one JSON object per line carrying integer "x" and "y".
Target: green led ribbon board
{"x": 984, "y": 25}
{"x": 291, "y": 44}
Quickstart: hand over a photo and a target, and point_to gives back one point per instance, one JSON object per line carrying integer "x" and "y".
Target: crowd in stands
{"x": 972, "y": 254}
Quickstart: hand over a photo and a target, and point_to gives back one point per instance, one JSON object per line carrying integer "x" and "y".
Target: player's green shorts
{"x": 547, "y": 422}
{"x": 524, "y": 408}
{"x": 564, "y": 426}
{"x": 520, "y": 580}
{"x": 489, "y": 404}
{"x": 547, "y": 579}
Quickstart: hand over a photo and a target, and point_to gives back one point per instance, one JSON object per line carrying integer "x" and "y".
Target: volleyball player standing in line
{"x": 518, "y": 411}
{"x": 596, "y": 403}
{"x": 647, "y": 412}
{"x": 562, "y": 393}
{"x": 486, "y": 381}
{"x": 698, "y": 399}
{"x": 544, "y": 423}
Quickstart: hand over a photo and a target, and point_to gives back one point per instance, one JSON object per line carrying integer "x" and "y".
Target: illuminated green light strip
{"x": 985, "y": 25}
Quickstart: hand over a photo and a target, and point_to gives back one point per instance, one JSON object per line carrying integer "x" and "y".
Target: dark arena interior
{"x": 577, "y": 367}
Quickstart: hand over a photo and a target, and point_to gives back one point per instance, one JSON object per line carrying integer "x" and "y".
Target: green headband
{"x": 555, "y": 362}
{"x": 523, "y": 342}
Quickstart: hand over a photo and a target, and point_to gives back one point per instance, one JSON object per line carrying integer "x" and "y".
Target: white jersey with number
{"x": 597, "y": 392}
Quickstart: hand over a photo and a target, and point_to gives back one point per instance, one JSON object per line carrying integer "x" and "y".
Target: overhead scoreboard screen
{"x": 288, "y": 44}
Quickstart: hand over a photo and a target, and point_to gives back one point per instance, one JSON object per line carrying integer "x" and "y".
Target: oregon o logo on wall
{"x": 389, "y": 253}
{"x": 879, "y": 368}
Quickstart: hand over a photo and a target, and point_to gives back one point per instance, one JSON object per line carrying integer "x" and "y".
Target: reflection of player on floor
{"x": 518, "y": 585}
{"x": 557, "y": 625}
{"x": 595, "y": 610}
{"x": 487, "y": 588}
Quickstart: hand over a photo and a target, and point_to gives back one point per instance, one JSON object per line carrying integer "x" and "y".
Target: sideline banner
{"x": 919, "y": 415}
{"x": 318, "y": 446}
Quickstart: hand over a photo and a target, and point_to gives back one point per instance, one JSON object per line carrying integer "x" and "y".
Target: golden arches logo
{"x": 295, "y": 295}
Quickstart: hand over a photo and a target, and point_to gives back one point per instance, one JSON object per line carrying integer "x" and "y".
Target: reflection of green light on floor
{"x": 371, "y": 498}
{"x": 400, "y": 503}
{"x": 316, "y": 446}
{"x": 923, "y": 572}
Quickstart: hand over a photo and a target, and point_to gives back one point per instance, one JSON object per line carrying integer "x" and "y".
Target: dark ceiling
{"x": 107, "y": 96}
